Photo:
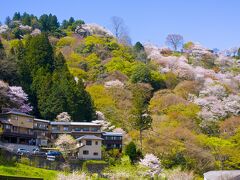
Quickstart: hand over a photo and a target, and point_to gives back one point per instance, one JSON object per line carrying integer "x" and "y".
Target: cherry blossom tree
{"x": 153, "y": 163}
{"x": 63, "y": 117}
{"x": 65, "y": 143}
{"x": 13, "y": 97}
{"x": 216, "y": 102}
{"x": 175, "y": 41}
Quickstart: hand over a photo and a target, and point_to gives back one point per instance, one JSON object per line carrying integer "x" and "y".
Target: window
{"x": 65, "y": 128}
{"x": 86, "y": 129}
{"x": 96, "y": 142}
{"x": 95, "y": 129}
{"x": 29, "y": 120}
{"x": 117, "y": 138}
{"x": 109, "y": 138}
{"x": 85, "y": 152}
{"x": 42, "y": 126}
{"x": 95, "y": 154}
{"x": 15, "y": 129}
{"x": 7, "y": 126}
{"x": 88, "y": 142}
{"x": 77, "y": 129}
{"x": 54, "y": 128}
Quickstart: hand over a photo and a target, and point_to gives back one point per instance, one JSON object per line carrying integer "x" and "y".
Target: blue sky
{"x": 213, "y": 23}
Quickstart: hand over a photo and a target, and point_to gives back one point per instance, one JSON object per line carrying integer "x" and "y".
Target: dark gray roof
{"x": 17, "y": 113}
{"x": 112, "y": 134}
{"x": 4, "y": 121}
{"x": 216, "y": 175}
{"x": 91, "y": 137}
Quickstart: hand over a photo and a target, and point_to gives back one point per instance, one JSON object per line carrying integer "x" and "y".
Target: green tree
{"x": 39, "y": 53}
{"x": 8, "y": 70}
{"x": 17, "y": 16}
{"x": 44, "y": 22}
{"x": 71, "y": 21}
{"x": 53, "y": 22}
{"x": 2, "y": 51}
{"x": 131, "y": 151}
{"x": 138, "y": 47}
{"x": 8, "y": 20}
{"x": 37, "y": 61}
{"x": 26, "y": 19}
{"x": 141, "y": 118}
{"x": 141, "y": 74}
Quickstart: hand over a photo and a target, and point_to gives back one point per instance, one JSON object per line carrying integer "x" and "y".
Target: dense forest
{"x": 180, "y": 103}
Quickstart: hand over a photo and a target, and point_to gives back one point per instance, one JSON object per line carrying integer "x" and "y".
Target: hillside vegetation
{"x": 182, "y": 106}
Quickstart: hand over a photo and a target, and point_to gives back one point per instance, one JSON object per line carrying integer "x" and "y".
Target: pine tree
{"x": 85, "y": 110}
{"x": 39, "y": 53}
{"x": 2, "y": 51}
{"x": 141, "y": 118}
{"x": 8, "y": 67}
{"x": 17, "y": 16}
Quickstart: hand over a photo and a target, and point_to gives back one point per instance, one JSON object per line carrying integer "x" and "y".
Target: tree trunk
{"x": 141, "y": 139}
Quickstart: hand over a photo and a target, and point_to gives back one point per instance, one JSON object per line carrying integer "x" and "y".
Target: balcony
{"x": 59, "y": 131}
{"x": 10, "y": 133}
{"x": 40, "y": 128}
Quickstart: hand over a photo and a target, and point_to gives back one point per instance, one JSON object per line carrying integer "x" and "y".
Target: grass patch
{"x": 28, "y": 171}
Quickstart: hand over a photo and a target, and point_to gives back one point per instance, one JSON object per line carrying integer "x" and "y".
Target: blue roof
{"x": 112, "y": 134}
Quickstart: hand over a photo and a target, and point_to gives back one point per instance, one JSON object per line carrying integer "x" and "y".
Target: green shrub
{"x": 65, "y": 41}
{"x": 131, "y": 151}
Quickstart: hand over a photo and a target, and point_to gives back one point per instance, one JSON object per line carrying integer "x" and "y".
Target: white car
{"x": 22, "y": 151}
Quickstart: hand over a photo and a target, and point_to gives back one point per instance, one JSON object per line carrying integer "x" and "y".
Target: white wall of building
{"x": 94, "y": 150}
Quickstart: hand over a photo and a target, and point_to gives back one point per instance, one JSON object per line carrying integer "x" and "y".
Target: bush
{"x": 131, "y": 151}
{"x": 25, "y": 160}
{"x": 65, "y": 41}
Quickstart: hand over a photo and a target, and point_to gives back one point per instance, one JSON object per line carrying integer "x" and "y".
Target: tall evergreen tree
{"x": 2, "y": 51}
{"x": 8, "y": 67}
{"x": 39, "y": 53}
{"x": 8, "y": 20}
{"x": 141, "y": 118}
{"x": 17, "y": 16}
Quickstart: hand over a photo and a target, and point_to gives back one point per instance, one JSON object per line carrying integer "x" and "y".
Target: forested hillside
{"x": 180, "y": 103}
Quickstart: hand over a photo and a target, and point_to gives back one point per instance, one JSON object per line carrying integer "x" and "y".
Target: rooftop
{"x": 92, "y": 137}
{"x": 17, "y": 113}
{"x": 75, "y": 123}
{"x": 4, "y": 121}
{"x": 216, "y": 175}
{"x": 41, "y": 120}
{"x": 112, "y": 134}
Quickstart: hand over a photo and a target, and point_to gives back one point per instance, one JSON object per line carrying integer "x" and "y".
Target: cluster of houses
{"x": 21, "y": 128}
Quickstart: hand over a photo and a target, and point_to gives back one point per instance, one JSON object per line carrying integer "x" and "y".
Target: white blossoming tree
{"x": 66, "y": 144}
{"x": 18, "y": 96}
{"x": 216, "y": 103}
{"x": 13, "y": 97}
{"x": 63, "y": 117}
{"x": 153, "y": 163}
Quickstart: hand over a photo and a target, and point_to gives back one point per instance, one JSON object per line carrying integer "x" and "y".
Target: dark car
{"x": 54, "y": 155}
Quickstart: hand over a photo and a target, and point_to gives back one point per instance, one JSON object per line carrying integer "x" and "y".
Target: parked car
{"x": 54, "y": 155}
{"x": 22, "y": 151}
{"x": 37, "y": 152}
